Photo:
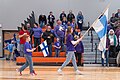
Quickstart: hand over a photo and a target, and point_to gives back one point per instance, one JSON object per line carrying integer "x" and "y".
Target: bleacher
{"x": 38, "y": 57}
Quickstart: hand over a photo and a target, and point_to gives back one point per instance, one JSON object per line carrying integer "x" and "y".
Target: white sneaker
{"x": 59, "y": 71}
{"x": 78, "y": 72}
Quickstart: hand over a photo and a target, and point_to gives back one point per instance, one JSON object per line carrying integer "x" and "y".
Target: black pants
{"x": 51, "y": 24}
{"x": 78, "y": 57}
{"x": 37, "y": 42}
{"x": 80, "y": 26}
{"x": 112, "y": 51}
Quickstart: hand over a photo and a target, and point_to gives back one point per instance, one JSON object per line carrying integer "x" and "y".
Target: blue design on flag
{"x": 44, "y": 48}
{"x": 100, "y": 26}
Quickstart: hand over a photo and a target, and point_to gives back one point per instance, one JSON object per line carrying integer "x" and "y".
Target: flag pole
{"x": 96, "y": 20}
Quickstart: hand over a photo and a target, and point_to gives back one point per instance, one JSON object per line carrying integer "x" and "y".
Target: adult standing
{"x": 70, "y": 16}
{"x": 49, "y": 37}
{"x": 22, "y": 33}
{"x": 80, "y": 20}
{"x": 62, "y": 15}
{"x": 37, "y": 32}
{"x": 51, "y": 19}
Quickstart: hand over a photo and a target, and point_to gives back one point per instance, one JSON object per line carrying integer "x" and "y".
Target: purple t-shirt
{"x": 37, "y": 32}
{"x": 70, "y": 46}
{"x": 27, "y": 45}
{"x": 57, "y": 44}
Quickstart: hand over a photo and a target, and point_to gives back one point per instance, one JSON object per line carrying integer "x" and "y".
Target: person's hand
{"x": 106, "y": 48}
{"x": 25, "y": 34}
{"x": 33, "y": 49}
{"x": 48, "y": 37}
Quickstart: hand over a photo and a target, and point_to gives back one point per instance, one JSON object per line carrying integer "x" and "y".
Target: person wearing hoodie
{"x": 113, "y": 43}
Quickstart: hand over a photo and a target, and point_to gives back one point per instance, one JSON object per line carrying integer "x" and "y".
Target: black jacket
{"x": 45, "y": 37}
{"x": 42, "y": 19}
{"x": 51, "y": 19}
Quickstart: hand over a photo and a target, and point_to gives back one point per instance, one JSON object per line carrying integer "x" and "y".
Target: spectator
{"x": 23, "y": 32}
{"x": 79, "y": 51}
{"x": 64, "y": 22}
{"x": 49, "y": 37}
{"x": 57, "y": 47}
{"x": 62, "y": 15}
{"x": 42, "y": 20}
{"x": 106, "y": 52}
{"x": 113, "y": 43}
{"x": 60, "y": 33}
{"x": 118, "y": 14}
{"x": 37, "y": 35}
{"x": 80, "y": 20}
{"x": 73, "y": 24}
{"x": 117, "y": 32}
{"x": 70, "y": 16}
{"x": 113, "y": 18}
{"x": 76, "y": 33}
{"x": 11, "y": 51}
{"x": 51, "y": 19}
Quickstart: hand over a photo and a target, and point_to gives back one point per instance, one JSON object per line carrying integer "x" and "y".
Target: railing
{"x": 96, "y": 52}
{"x": 90, "y": 32}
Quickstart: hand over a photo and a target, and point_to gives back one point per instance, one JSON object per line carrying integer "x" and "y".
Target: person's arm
{"x": 30, "y": 50}
{"x": 76, "y": 42}
{"x": 22, "y": 35}
{"x": 55, "y": 31}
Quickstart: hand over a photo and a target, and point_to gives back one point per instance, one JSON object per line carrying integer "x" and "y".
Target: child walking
{"x": 11, "y": 51}
{"x": 70, "y": 43}
{"x": 28, "y": 56}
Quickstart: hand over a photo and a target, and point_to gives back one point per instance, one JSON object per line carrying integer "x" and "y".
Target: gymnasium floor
{"x": 8, "y": 72}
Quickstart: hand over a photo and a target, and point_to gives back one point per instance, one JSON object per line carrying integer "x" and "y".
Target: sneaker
{"x": 60, "y": 71}
{"x": 19, "y": 72}
{"x": 78, "y": 72}
{"x": 34, "y": 72}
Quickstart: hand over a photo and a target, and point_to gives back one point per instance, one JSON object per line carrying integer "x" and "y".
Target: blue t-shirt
{"x": 27, "y": 45}
{"x": 57, "y": 44}
{"x": 70, "y": 46}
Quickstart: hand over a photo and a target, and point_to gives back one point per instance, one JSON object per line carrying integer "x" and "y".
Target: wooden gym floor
{"x": 8, "y": 72}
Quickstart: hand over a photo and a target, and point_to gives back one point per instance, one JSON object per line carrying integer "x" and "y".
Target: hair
{"x": 69, "y": 30}
{"x": 36, "y": 24}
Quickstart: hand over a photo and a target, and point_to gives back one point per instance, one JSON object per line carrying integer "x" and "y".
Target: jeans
{"x": 62, "y": 43}
{"x": 37, "y": 43}
{"x": 42, "y": 24}
{"x": 70, "y": 56}
{"x": 57, "y": 52}
{"x": 21, "y": 50}
{"x": 29, "y": 63}
{"x": 106, "y": 56}
{"x": 50, "y": 50}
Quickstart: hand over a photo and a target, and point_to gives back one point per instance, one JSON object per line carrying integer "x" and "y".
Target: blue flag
{"x": 44, "y": 48}
{"x": 100, "y": 26}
